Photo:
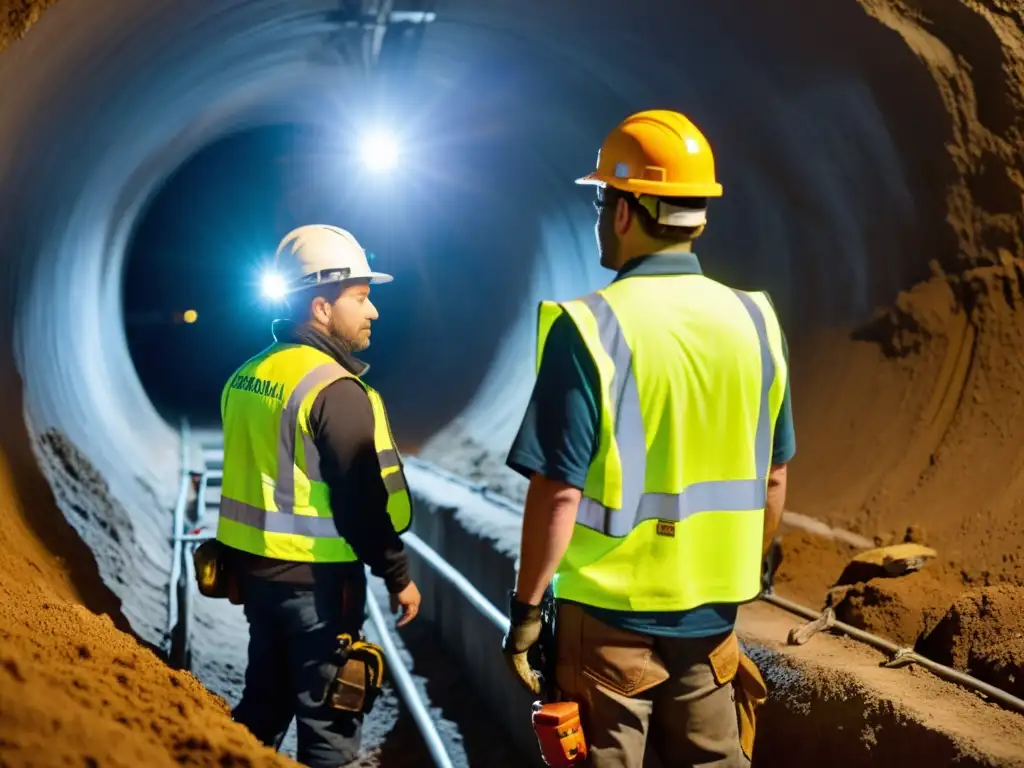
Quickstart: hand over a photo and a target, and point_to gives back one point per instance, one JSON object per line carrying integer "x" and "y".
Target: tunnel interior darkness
{"x": 830, "y": 138}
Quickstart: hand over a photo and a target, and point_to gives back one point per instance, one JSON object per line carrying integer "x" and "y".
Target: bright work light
{"x": 379, "y": 152}
{"x": 274, "y": 286}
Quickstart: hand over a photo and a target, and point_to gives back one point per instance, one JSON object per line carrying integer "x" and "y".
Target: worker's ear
{"x": 623, "y": 217}
{"x": 320, "y": 310}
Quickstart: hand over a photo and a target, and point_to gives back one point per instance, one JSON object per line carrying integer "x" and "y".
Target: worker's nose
{"x": 371, "y": 313}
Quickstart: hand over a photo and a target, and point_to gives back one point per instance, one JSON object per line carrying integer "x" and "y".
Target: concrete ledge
{"x": 829, "y": 700}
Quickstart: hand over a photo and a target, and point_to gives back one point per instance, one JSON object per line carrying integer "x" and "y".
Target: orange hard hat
{"x": 657, "y": 152}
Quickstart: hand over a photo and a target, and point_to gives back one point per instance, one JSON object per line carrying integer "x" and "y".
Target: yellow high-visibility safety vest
{"x": 692, "y": 376}
{"x": 273, "y": 501}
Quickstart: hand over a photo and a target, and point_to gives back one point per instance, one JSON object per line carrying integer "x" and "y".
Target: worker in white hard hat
{"x": 313, "y": 490}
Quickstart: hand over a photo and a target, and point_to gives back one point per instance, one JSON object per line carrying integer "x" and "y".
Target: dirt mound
{"x": 810, "y": 565}
{"x": 983, "y": 634}
{"x": 901, "y": 608}
{"x": 75, "y": 690}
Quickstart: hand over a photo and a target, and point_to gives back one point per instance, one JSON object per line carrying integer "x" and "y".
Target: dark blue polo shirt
{"x": 558, "y": 439}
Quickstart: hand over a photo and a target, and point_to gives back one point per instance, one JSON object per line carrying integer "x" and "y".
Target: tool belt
{"x": 360, "y": 675}
{"x": 214, "y": 577}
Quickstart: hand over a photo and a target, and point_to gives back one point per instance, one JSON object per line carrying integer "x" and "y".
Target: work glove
{"x": 523, "y": 633}
{"x": 770, "y": 565}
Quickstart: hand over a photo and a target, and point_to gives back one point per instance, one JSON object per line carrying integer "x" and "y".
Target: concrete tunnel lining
{"x": 103, "y": 102}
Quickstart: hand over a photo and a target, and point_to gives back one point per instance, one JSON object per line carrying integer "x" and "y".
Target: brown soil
{"x": 74, "y": 688}
{"x": 16, "y": 16}
{"x": 983, "y": 633}
{"x": 937, "y": 439}
{"x": 809, "y": 566}
{"x": 889, "y": 717}
{"x": 917, "y": 419}
{"x": 901, "y": 608}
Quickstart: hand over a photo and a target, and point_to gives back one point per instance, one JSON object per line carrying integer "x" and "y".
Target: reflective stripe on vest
{"x": 285, "y": 519}
{"x": 717, "y": 495}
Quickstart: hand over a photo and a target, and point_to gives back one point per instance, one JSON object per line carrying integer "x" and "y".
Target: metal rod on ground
{"x": 904, "y": 655}
{"x": 177, "y": 524}
{"x": 809, "y": 613}
{"x": 457, "y": 580}
{"x": 407, "y": 688}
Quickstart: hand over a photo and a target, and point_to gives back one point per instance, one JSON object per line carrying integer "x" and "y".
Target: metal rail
{"x": 184, "y": 435}
{"x": 406, "y": 686}
{"x": 445, "y": 569}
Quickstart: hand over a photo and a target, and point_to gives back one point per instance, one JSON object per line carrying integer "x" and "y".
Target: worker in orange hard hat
{"x": 656, "y": 442}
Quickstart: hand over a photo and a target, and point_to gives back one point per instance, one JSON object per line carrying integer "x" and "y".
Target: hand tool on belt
{"x": 214, "y": 575}
{"x": 556, "y": 723}
{"x": 360, "y": 675}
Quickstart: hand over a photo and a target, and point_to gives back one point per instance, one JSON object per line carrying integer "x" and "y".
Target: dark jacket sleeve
{"x": 342, "y": 425}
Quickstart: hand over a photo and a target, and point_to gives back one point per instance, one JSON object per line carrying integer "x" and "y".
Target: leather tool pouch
{"x": 360, "y": 675}
{"x": 214, "y": 577}
{"x": 730, "y": 664}
{"x": 751, "y": 693}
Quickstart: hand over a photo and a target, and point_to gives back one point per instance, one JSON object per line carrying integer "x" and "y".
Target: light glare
{"x": 379, "y": 152}
{"x": 274, "y": 286}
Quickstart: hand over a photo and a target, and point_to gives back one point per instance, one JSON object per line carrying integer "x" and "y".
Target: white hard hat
{"x": 319, "y": 253}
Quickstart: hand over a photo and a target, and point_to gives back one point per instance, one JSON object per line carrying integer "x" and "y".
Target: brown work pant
{"x": 650, "y": 701}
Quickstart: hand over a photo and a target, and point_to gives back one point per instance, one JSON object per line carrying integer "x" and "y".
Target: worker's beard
{"x": 357, "y": 344}
{"x": 347, "y": 345}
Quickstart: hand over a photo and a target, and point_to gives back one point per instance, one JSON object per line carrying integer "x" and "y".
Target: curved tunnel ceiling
{"x": 830, "y": 136}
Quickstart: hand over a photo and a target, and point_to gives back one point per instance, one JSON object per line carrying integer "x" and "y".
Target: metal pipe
{"x": 190, "y": 576}
{"x": 904, "y": 655}
{"x": 177, "y": 523}
{"x": 406, "y": 687}
{"x": 199, "y": 537}
{"x": 187, "y": 608}
{"x": 200, "y": 498}
{"x": 457, "y": 580}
